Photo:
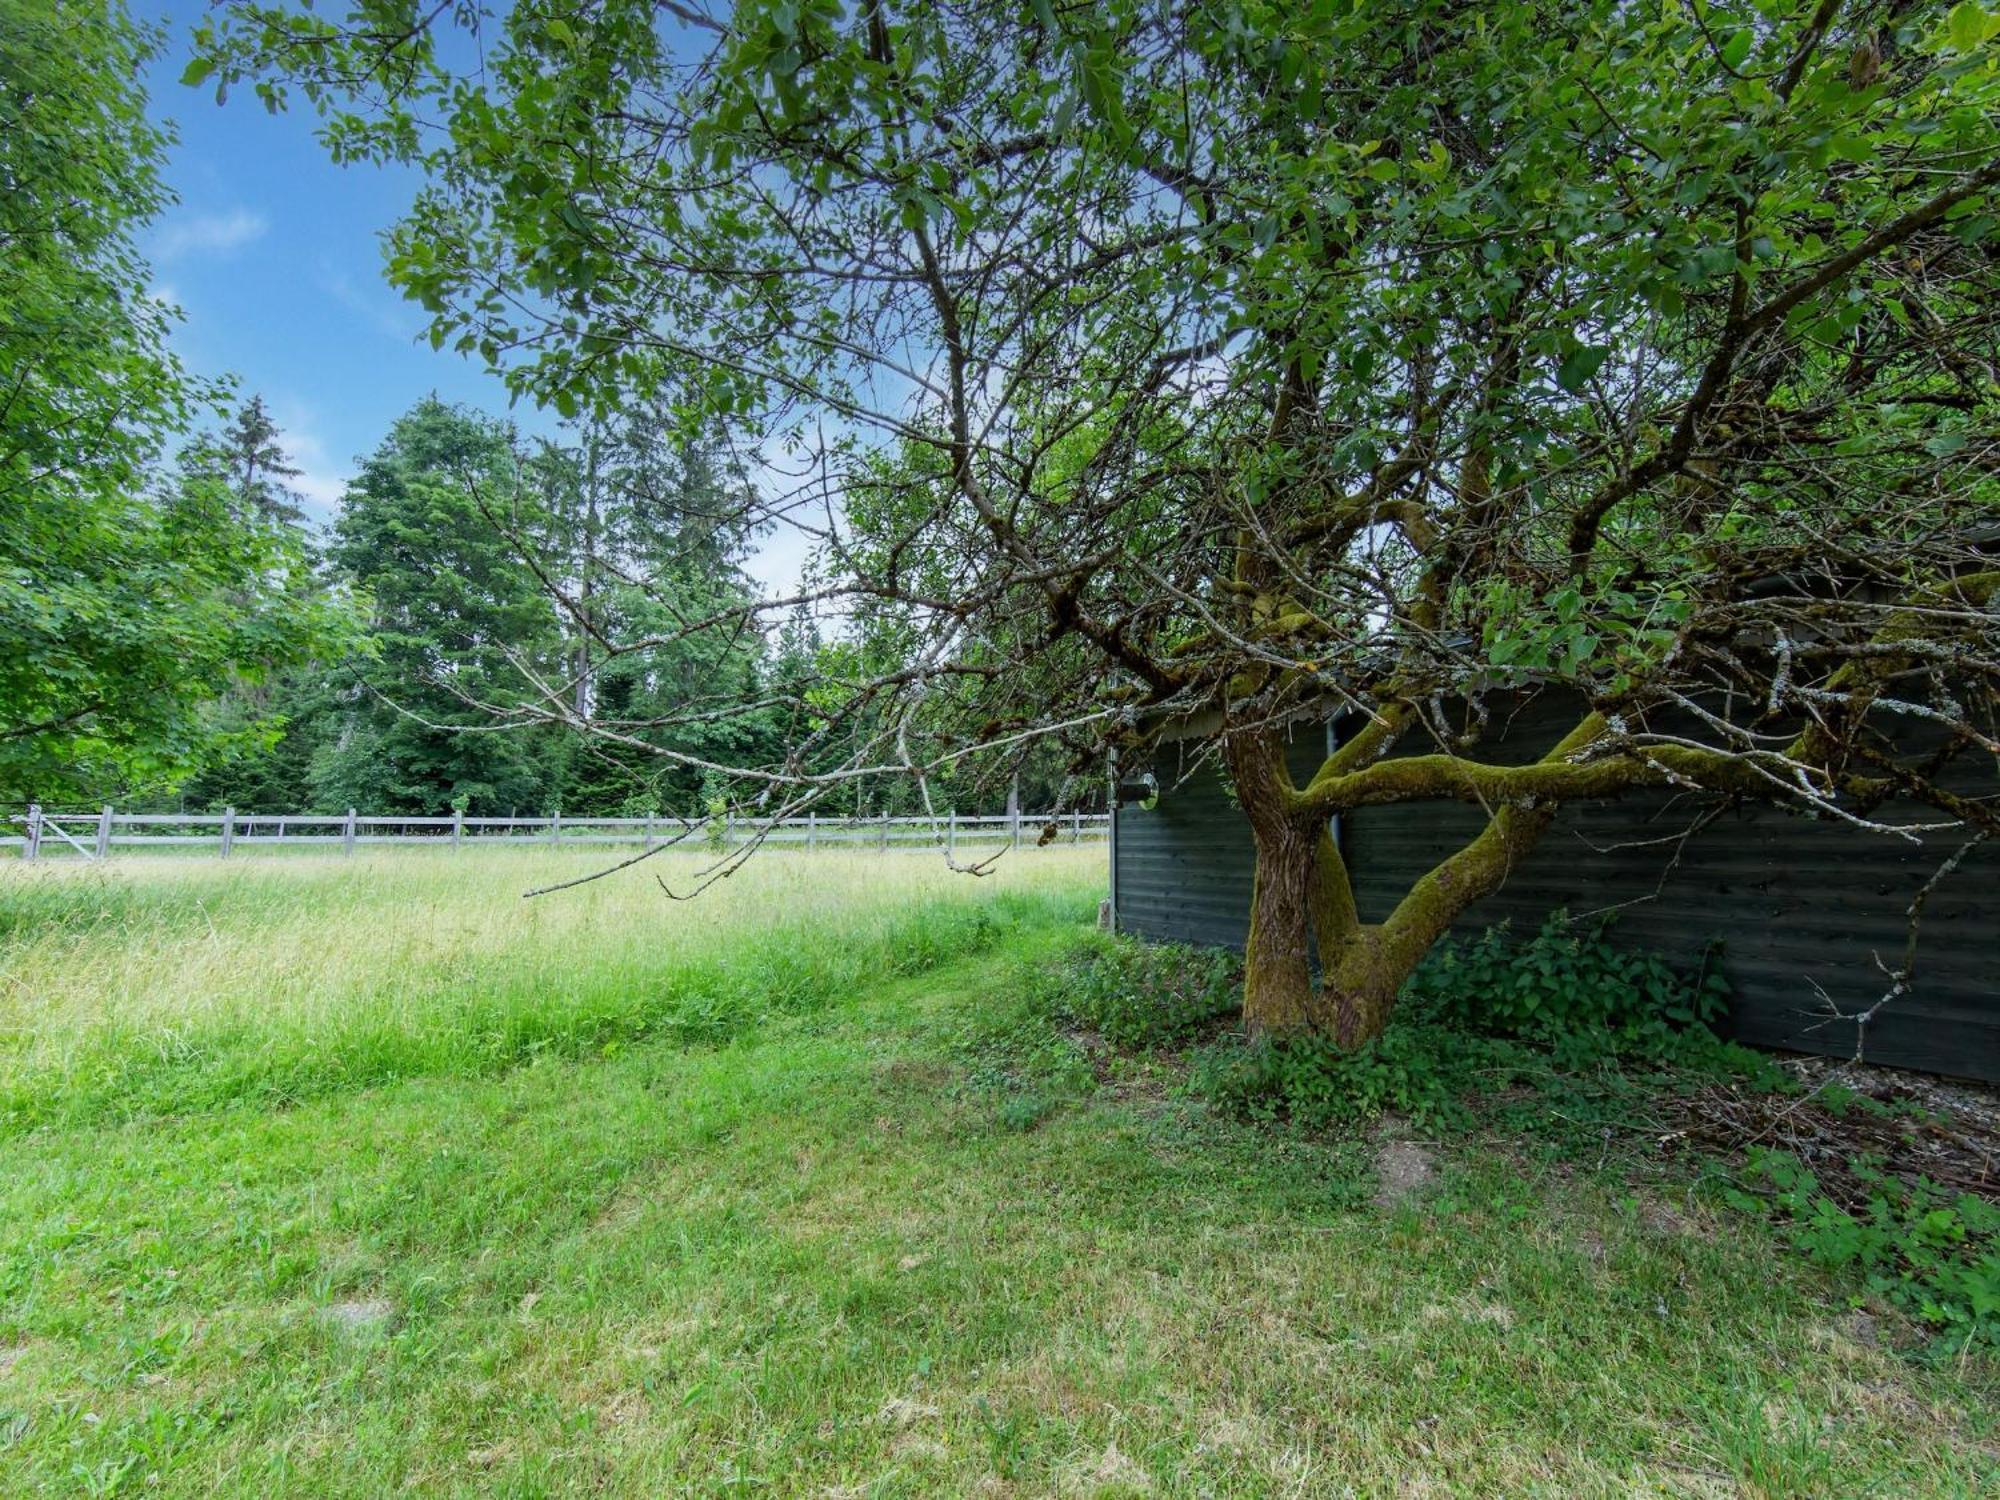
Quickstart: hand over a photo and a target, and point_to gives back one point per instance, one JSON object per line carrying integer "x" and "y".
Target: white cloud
{"x": 322, "y": 491}
{"x": 207, "y": 234}
{"x": 777, "y": 560}
{"x": 386, "y": 314}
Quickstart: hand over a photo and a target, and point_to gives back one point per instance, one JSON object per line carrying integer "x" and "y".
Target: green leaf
{"x": 1736, "y": 51}
{"x": 1966, "y": 26}
{"x": 1582, "y": 362}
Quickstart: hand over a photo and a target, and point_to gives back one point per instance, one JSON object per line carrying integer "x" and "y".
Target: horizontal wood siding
{"x": 1184, "y": 868}
{"x": 1795, "y": 911}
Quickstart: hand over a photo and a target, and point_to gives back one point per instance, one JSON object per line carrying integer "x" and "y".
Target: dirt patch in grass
{"x": 1405, "y": 1173}
{"x": 362, "y": 1316}
{"x": 925, "y": 1074}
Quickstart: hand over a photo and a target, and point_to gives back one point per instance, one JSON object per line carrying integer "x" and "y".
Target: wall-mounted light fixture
{"x": 1143, "y": 790}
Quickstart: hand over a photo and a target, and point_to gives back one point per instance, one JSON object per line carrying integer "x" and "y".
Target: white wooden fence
{"x": 95, "y": 835}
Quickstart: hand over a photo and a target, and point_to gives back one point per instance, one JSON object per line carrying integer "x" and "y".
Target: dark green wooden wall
{"x": 1800, "y": 908}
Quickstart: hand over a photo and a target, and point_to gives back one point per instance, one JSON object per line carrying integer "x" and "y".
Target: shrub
{"x": 1569, "y": 989}
{"x": 1478, "y": 1016}
{"x": 1425, "y": 1071}
{"x": 1934, "y": 1254}
{"x": 1023, "y": 1047}
{"x": 1143, "y": 995}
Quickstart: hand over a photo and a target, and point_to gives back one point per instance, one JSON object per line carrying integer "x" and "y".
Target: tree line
{"x": 450, "y": 548}
{"x": 180, "y": 635}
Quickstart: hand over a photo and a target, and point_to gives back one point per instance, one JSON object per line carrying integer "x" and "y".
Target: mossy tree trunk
{"x": 1303, "y": 915}
{"x": 1302, "y": 909}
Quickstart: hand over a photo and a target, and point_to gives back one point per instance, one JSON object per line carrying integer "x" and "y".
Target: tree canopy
{"x": 128, "y": 596}
{"x": 492, "y": 572}
{"x": 1214, "y": 364}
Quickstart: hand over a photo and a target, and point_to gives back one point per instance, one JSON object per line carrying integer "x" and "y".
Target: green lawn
{"x": 322, "y": 1179}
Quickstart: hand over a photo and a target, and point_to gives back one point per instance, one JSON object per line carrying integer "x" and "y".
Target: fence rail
{"x": 96, "y": 835}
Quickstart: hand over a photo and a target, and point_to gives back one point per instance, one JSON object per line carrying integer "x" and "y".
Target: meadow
{"x": 150, "y": 984}
{"x": 325, "y": 1177}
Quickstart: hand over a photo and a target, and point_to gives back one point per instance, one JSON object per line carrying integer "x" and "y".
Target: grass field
{"x": 157, "y": 985}
{"x": 358, "y": 1177}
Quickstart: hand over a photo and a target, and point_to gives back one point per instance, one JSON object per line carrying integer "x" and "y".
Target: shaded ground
{"x": 1911, "y": 1126}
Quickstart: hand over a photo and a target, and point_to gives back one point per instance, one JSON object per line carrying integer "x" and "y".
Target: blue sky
{"x": 273, "y": 254}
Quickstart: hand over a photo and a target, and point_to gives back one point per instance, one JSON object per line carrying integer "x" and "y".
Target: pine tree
{"x": 427, "y": 531}
{"x": 257, "y": 468}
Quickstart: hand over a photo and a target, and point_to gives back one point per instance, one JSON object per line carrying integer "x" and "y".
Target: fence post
{"x": 649, "y": 831}
{"x": 729, "y": 830}
{"x": 885, "y": 833}
{"x": 555, "y": 827}
{"x": 1076, "y": 825}
{"x": 104, "y": 831}
{"x": 31, "y": 841}
{"x": 457, "y": 826}
{"x": 228, "y": 829}
{"x": 1014, "y": 827}
{"x": 951, "y": 834}
{"x": 347, "y": 833}
{"x": 812, "y": 831}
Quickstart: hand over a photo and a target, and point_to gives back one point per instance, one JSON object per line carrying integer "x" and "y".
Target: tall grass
{"x": 154, "y": 986}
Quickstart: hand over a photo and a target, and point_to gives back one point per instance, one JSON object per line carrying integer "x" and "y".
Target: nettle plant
{"x": 1934, "y": 1253}
{"x": 1215, "y": 364}
{"x": 1569, "y": 986}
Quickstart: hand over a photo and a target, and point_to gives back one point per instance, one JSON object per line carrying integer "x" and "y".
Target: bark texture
{"x": 1277, "y": 963}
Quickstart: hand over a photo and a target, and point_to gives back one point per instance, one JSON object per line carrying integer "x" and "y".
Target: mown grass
{"x": 837, "y": 1250}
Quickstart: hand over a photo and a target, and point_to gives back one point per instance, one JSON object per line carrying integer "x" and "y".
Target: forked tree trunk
{"x": 1301, "y": 905}
{"x": 1302, "y": 911}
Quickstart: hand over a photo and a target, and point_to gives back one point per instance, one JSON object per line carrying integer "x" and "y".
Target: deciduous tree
{"x": 1224, "y": 362}
{"x": 128, "y": 598}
